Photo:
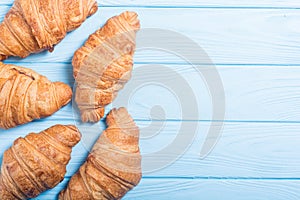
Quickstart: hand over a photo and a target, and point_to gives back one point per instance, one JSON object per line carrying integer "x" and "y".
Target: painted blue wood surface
{"x": 255, "y": 46}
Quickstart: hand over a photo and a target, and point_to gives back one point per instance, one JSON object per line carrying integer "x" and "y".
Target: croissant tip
{"x": 64, "y": 93}
{"x": 92, "y": 115}
{"x": 118, "y": 111}
{"x": 118, "y": 115}
{"x": 132, "y": 18}
{"x": 130, "y": 14}
{"x": 73, "y": 128}
{"x": 69, "y": 133}
{"x": 93, "y": 9}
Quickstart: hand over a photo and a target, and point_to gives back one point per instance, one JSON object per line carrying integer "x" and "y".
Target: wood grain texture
{"x": 193, "y": 3}
{"x": 252, "y": 93}
{"x": 230, "y": 36}
{"x": 255, "y": 45}
{"x": 179, "y": 189}
{"x": 212, "y": 189}
{"x": 245, "y": 150}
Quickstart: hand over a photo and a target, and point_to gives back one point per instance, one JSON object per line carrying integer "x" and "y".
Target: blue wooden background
{"x": 256, "y": 48}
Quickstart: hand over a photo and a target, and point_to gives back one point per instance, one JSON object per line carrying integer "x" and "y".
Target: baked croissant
{"x": 114, "y": 165}
{"x": 25, "y": 95}
{"x": 31, "y": 26}
{"x": 37, "y": 162}
{"x": 104, "y": 64}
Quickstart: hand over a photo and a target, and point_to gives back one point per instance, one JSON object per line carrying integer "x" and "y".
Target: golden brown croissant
{"x": 114, "y": 165}
{"x": 31, "y": 26}
{"x": 37, "y": 162}
{"x": 104, "y": 64}
{"x": 25, "y": 95}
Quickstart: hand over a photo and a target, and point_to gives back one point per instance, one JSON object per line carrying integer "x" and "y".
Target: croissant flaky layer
{"x": 25, "y": 95}
{"x": 104, "y": 64}
{"x": 37, "y": 162}
{"x": 114, "y": 165}
{"x": 31, "y": 26}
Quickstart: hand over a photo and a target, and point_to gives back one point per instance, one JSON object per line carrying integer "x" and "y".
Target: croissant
{"x": 26, "y": 95}
{"x": 104, "y": 64}
{"x": 37, "y": 162}
{"x": 32, "y": 26}
{"x": 114, "y": 165}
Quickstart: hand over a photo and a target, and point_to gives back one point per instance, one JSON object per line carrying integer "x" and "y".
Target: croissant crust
{"x": 103, "y": 65}
{"x": 31, "y": 26}
{"x": 114, "y": 165}
{"x": 25, "y": 95}
{"x": 37, "y": 162}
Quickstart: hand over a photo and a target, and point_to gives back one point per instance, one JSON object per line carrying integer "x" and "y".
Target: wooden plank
{"x": 193, "y": 3}
{"x": 244, "y": 150}
{"x": 215, "y": 189}
{"x": 178, "y": 189}
{"x": 251, "y": 93}
{"x": 230, "y": 36}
